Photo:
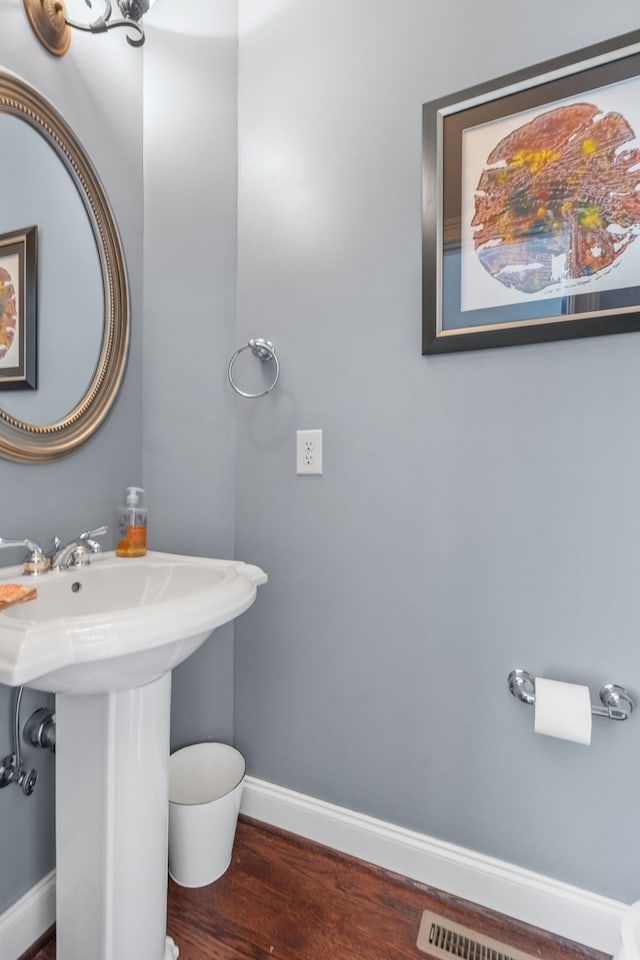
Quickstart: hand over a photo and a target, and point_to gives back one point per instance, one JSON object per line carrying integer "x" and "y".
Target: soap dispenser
{"x": 131, "y": 525}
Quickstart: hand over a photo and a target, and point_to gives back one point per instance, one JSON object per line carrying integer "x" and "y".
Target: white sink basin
{"x": 120, "y": 622}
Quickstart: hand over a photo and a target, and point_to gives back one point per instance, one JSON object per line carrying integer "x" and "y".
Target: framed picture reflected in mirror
{"x": 18, "y": 309}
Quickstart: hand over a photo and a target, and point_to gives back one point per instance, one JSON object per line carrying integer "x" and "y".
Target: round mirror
{"x": 64, "y": 311}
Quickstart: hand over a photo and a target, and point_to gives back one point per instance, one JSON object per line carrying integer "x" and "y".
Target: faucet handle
{"x": 90, "y": 534}
{"x": 35, "y": 560}
{"x": 88, "y": 538}
{"x": 31, "y": 545}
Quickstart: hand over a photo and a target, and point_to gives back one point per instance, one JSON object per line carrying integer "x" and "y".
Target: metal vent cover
{"x": 442, "y": 939}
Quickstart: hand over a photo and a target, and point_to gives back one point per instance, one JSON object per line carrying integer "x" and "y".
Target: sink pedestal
{"x": 104, "y": 638}
{"x": 112, "y": 809}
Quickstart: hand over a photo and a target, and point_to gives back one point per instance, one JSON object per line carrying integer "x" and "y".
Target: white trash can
{"x": 205, "y": 787}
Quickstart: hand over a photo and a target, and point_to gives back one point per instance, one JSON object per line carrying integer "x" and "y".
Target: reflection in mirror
{"x": 70, "y": 296}
{"x": 82, "y": 296}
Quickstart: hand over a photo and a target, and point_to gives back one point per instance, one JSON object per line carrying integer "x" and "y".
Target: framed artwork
{"x": 18, "y": 326}
{"x": 531, "y": 204}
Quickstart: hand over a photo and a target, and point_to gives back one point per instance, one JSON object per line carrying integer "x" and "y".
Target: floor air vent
{"x": 443, "y": 939}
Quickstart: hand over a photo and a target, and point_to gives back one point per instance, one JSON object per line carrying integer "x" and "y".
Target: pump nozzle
{"x": 132, "y": 495}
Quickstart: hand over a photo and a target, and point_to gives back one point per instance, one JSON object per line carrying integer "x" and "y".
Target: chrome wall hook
{"x": 265, "y": 351}
{"x": 617, "y": 702}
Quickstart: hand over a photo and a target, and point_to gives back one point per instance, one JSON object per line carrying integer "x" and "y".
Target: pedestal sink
{"x": 104, "y": 639}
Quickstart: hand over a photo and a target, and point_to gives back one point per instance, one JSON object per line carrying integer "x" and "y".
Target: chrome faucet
{"x": 76, "y": 553}
{"x": 35, "y": 560}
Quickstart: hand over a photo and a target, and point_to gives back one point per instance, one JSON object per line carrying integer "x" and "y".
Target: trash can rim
{"x": 210, "y": 743}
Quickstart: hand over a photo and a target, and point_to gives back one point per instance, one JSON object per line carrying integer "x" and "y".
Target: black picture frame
{"x": 18, "y": 309}
{"x": 493, "y": 271}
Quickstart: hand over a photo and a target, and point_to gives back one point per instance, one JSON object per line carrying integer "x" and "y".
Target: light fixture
{"x": 53, "y": 28}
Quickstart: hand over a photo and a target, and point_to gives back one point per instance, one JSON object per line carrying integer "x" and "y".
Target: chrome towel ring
{"x": 264, "y": 350}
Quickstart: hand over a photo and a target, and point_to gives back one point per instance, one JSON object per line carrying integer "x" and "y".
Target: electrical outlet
{"x": 309, "y": 452}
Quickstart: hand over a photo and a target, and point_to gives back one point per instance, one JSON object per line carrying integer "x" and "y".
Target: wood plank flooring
{"x": 289, "y": 899}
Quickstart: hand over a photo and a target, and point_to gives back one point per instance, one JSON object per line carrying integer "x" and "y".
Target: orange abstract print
{"x": 8, "y": 312}
{"x": 558, "y": 199}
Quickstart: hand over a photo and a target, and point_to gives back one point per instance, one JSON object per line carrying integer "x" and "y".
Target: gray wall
{"x": 98, "y": 89}
{"x": 190, "y": 175}
{"x": 478, "y": 512}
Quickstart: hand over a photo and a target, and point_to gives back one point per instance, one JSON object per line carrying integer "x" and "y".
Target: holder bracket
{"x": 617, "y": 702}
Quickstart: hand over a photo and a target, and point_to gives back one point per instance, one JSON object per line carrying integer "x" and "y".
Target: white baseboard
{"x": 564, "y": 910}
{"x": 25, "y": 922}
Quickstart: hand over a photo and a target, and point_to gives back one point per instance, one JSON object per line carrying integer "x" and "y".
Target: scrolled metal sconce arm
{"x": 52, "y": 26}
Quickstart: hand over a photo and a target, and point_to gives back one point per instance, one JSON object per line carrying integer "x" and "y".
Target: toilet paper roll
{"x": 563, "y": 710}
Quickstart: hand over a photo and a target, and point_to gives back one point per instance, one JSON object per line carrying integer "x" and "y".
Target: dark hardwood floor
{"x": 289, "y": 899}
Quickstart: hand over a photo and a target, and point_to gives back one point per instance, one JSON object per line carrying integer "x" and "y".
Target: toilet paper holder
{"x": 617, "y": 703}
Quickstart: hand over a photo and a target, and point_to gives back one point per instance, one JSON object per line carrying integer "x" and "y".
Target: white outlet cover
{"x": 309, "y": 452}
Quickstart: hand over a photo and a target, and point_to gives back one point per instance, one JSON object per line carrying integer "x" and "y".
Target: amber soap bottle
{"x": 131, "y": 525}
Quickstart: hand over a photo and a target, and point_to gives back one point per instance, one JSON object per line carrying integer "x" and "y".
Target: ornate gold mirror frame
{"x": 35, "y": 443}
